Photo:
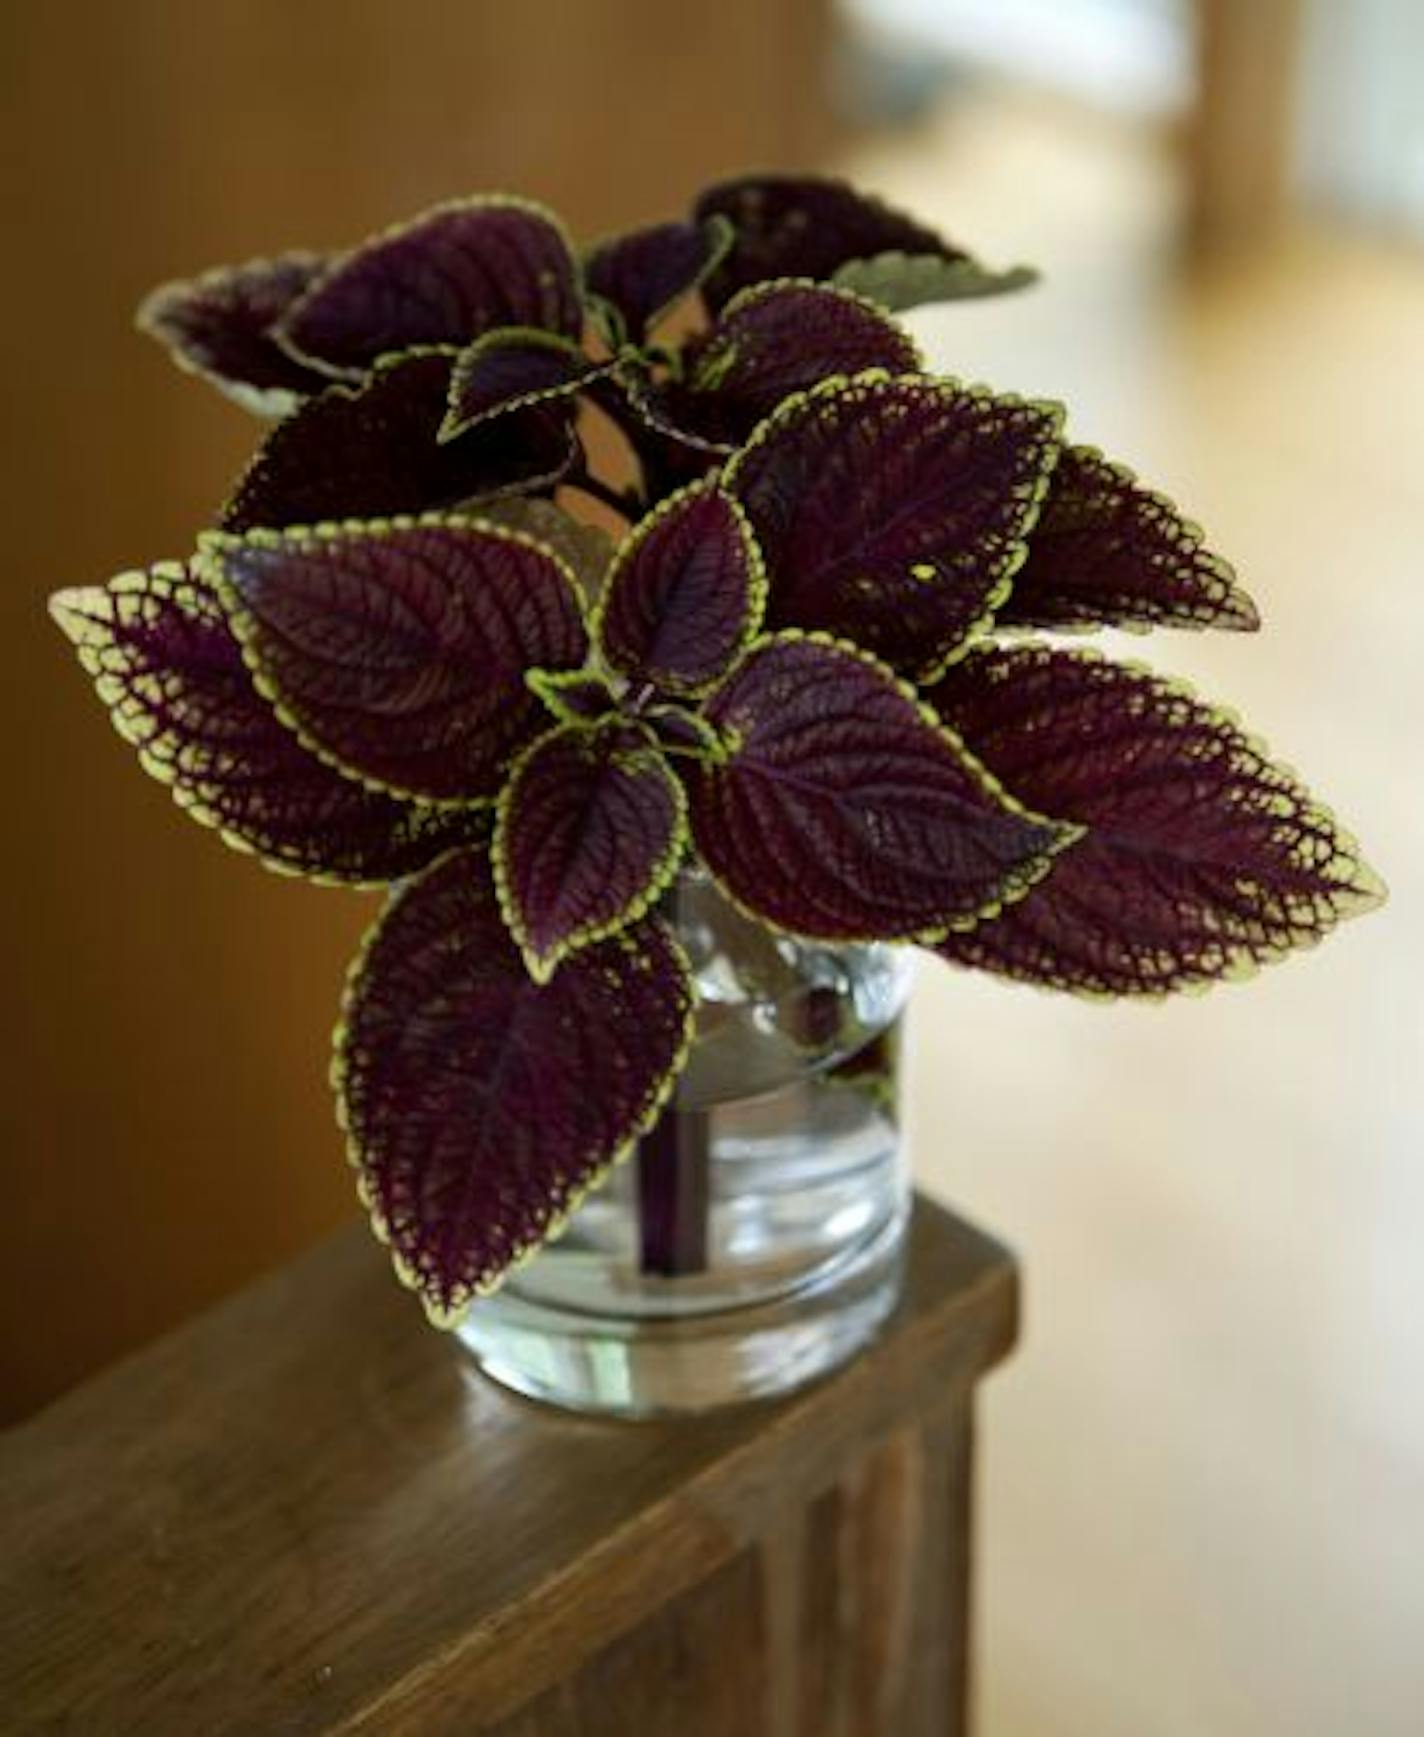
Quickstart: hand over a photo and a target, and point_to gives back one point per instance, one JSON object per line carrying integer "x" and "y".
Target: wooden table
{"x": 307, "y": 1513}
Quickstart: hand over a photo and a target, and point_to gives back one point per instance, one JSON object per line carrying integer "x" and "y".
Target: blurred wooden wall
{"x": 167, "y": 1127}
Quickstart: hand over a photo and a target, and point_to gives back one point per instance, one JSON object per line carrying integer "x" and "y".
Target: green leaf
{"x": 898, "y": 281}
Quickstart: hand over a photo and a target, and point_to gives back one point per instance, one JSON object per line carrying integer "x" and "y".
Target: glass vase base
{"x": 675, "y": 1364}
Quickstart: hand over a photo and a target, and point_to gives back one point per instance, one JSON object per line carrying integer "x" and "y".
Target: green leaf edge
{"x": 352, "y": 391}
{"x": 453, "y": 425}
{"x": 270, "y": 401}
{"x": 750, "y": 294}
{"x": 1369, "y": 895}
{"x": 757, "y": 587}
{"x": 1222, "y": 572}
{"x": 548, "y": 685}
{"x": 448, "y": 1319}
{"x": 542, "y": 966}
{"x": 1031, "y": 495}
{"x": 213, "y": 544}
{"x": 615, "y": 334}
{"x": 914, "y": 280}
{"x": 635, "y": 384}
{"x": 393, "y": 232}
{"x": 713, "y": 749}
{"x": 83, "y": 636}
{"x": 1022, "y": 883}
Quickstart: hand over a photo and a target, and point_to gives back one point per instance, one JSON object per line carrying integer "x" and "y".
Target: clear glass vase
{"x": 754, "y": 1240}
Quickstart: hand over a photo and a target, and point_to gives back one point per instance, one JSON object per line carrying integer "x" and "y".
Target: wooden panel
{"x": 307, "y": 1513}
{"x": 1241, "y": 145}
{"x": 166, "y": 1126}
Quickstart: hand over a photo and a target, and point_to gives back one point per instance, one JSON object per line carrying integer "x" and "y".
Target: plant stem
{"x": 673, "y": 1193}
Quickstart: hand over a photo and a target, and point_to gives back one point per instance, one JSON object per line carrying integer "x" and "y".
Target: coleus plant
{"x": 405, "y": 655}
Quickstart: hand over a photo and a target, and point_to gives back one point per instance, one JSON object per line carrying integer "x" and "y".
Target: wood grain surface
{"x": 307, "y": 1513}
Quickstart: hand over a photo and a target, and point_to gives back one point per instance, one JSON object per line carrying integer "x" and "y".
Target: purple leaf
{"x": 480, "y": 1106}
{"x": 584, "y": 548}
{"x": 219, "y": 326}
{"x": 509, "y": 369}
{"x": 893, "y": 512}
{"x": 589, "y": 832}
{"x": 447, "y": 277}
{"x": 399, "y": 650}
{"x": 768, "y": 342}
{"x": 843, "y": 811}
{"x": 1201, "y": 858}
{"x": 685, "y": 593}
{"x": 1105, "y": 549}
{"x": 682, "y": 732}
{"x": 371, "y": 450}
{"x": 572, "y": 696}
{"x": 806, "y": 226}
{"x": 645, "y": 273}
{"x": 166, "y": 664}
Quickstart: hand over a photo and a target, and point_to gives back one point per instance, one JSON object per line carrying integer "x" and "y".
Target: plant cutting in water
{"x": 819, "y": 660}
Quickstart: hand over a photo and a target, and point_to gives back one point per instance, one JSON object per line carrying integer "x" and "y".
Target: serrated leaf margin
{"x": 1068, "y": 832}
{"x": 269, "y": 401}
{"x": 446, "y": 1320}
{"x": 453, "y": 425}
{"x": 758, "y": 583}
{"x": 913, "y": 280}
{"x": 211, "y": 546}
{"x": 394, "y": 232}
{"x": 1032, "y": 495}
{"x": 1371, "y": 894}
{"x": 159, "y": 769}
{"x": 542, "y": 966}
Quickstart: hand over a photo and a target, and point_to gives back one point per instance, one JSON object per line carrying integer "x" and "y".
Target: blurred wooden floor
{"x": 1203, "y": 1502}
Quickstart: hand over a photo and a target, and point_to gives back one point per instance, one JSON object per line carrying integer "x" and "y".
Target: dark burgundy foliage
{"x": 646, "y": 273}
{"x": 220, "y": 326}
{"x": 510, "y": 368}
{"x": 1105, "y": 549}
{"x": 844, "y": 812}
{"x": 805, "y": 226}
{"x": 571, "y": 695}
{"x": 590, "y": 830}
{"x": 1200, "y": 857}
{"x": 684, "y": 594}
{"x": 446, "y": 278}
{"x": 891, "y": 512}
{"x": 171, "y": 671}
{"x": 408, "y": 652}
{"x": 401, "y": 653}
{"x": 481, "y": 1105}
{"x": 773, "y": 340}
{"x": 373, "y": 449}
